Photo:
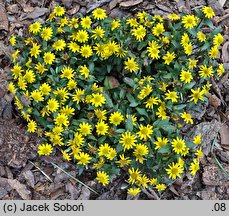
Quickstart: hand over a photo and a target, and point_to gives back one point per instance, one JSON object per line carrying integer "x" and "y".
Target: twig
{"x": 41, "y": 171}
{"x": 187, "y": 4}
{"x": 225, "y": 172}
{"x": 97, "y": 4}
{"x": 151, "y": 193}
{"x": 222, "y": 18}
{"x": 74, "y": 178}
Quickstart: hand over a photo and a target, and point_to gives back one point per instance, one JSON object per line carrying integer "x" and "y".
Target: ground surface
{"x": 24, "y": 175}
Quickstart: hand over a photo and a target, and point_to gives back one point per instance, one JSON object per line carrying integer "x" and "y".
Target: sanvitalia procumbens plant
{"x": 113, "y": 94}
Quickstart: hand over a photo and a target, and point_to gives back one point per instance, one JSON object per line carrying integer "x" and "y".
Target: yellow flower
{"x": 145, "y": 92}
{"x": 29, "y": 76}
{"x": 73, "y": 23}
{"x": 123, "y": 161}
{"x": 178, "y": 145}
{"x": 143, "y": 181}
{"x": 208, "y": 12}
{"x": 78, "y": 96}
{"x": 86, "y": 51}
{"x": 49, "y": 58}
{"x": 186, "y": 76}
{"x": 35, "y": 27}
{"x": 83, "y": 158}
{"x": 192, "y": 64}
{"x": 185, "y": 39}
{"x": 134, "y": 191}
{"x": 62, "y": 93}
{"x": 153, "y": 50}
{"x": 197, "y": 139}
{"x": 45, "y": 149}
{"x": 158, "y": 29}
{"x": 145, "y": 132}
{"x": 140, "y": 151}
{"x": 52, "y": 105}
{"x": 65, "y": 155}
{"x": 132, "y": 22}
{"x": 201, "y": 36}
{"x": 11, "y": 88}
{"x": 189, "y": 21}
{"x": 206, "y": 71}
{"x": 74, "y": 47}
{"x": 59, "y": 11}
{"x": 15, "y": 55}
{"x": 98, "y": 32}
{"x": 128, "y": 140}
{"x": 160, "y": 187}
{"x": 153, "y": 181}
{"x": 101, "y": 128}
{"x": 32, "y": 126}
{"x": 214, "y": 52}
{"x": 46, "y": 33}
{"x": 171, "y": 95}
{"x": 131, "y": 65}
{"x": 115, "y": 24}
{"x": 35, "y": 50}
{"x": 174, "y": 170}
{"x": 134, "y": 175}
{"x": 40, "y": 68}
{"x": 82, "y": 36}
{"x": 59, "y": 45}
{"x": 196, "y": 95}
{"x": 84, "y": 128}
{"x": 86, "y": 22}
{"x": 188, "y": 49}
{"x": 220, "y": 70}
{"x": 99, "y": 14}
{"x": 102, "y": 178}
{"x": 218, "y": 39}
{"x": 12, "y": 40}
{"x": 151, "y": 101}
{"x": 111, "y": 154}
{"x": 37, "y": 96}
{"x": 199, "y": 153}
{"x": 173, "y": 16}
{"x": 168, "y": 58}
{"x": 139, "y": 33}
{"x": 16, "y": 70}
{"x": 161, "y": 142}
{"x": 84, "y": 71}
{"x": 101, "y": 114}
{"x": 61, "y": 119}
{"x": 194, "y": 167}
{"x": 187, "y": 118}
{"x": 97, "y": 100}
{"x": 67, "y": 72}
{"x": 116, "y": 118}
{"x": 71, "y": 84}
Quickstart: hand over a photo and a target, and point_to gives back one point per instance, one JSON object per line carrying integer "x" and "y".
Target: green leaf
{"x": 205, "y": 46}
{"x": 168, "y": 128}
{"x": 190, "y": 145}
{"x": 109, "y": 67}
{"x": 129, "y": 124}
{"x": 190, "y": 85}
{"x": 179, "y": 107}
{"x": 108, "y": 100}
{"x": 142, "y": 112}
{"x": 209, "y": 23}
{"x": 101, "y": 139}
{"x": 128, "y": 81}
{"x": 167, "y": 76}
{"x": 119, "y": 148}
{"x": 91, "y": 66}
{"x": 120, "y": 130}
{"x": 122, "y": 93}
{"x": 132, "y": 100}
{"x": 165, "y": 149}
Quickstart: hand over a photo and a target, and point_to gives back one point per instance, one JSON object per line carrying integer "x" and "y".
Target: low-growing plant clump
{"x": 113, "y": 94}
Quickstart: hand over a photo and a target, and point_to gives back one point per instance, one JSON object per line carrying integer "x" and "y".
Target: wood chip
{"x": 225, "y": 52}
{"x": 224, "y": 135}
{"x": 38, "y": 12}
{"x": 131, "y": 3}
{"x": 20, "y": 188}
{"x": 214, "y": 100}
{"x": 4, "y": 23}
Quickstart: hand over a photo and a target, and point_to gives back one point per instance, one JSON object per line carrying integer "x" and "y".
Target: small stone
{"x": 131, "y": 3}
{"x": 83, "y": 10}
{"x": 117, "y": 13}
{"x": 113, "y": 4}
{"x": 74, "y": 9}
